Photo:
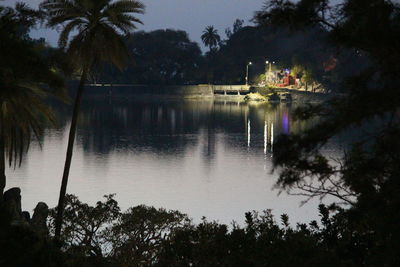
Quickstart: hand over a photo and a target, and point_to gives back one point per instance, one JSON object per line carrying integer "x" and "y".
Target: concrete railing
{"x": 173, "y": 90}
{"x": 231, "y": 89}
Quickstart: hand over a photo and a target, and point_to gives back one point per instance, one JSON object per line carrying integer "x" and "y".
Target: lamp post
{"x": 247, "y": 73}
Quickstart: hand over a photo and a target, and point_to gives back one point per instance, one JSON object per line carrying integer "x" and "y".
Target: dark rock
{"x": 26, "y": 216}
{"x": 39, "y": 218}
{"x": 12, "y": 203}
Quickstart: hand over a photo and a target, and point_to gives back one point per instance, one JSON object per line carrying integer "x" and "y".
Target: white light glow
{"x": 248, "y": 133}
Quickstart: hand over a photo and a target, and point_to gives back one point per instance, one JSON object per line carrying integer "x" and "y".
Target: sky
{"x": 191, "y": 16}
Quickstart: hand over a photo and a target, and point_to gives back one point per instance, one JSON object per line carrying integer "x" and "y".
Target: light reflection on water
{"x": 203, "y": 158}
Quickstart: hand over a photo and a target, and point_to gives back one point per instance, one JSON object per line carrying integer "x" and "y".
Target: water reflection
{"x": 210, "y": 158}
{"x": 272, "y": 137}
{"x": 265, "y": 137}
{"x": 248, "y": 133}
{"x": 163, "y": 126}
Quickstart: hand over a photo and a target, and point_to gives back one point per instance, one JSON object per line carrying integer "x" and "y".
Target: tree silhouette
{"x": 23, "y": 74}
{"x": 161, "y": 57}
{"x": 237, "y": 25}
{"x": 210, "y": 37}
{"x": 366, "y": 177}
{"x": 100, "y": 26}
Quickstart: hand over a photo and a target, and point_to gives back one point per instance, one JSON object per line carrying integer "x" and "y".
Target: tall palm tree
{"x": 99, "y": 26}
{"x": 24, "y": 72}
{"x": 210, "y": 37}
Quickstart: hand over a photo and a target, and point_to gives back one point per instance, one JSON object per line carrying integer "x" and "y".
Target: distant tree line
{"x": 157, "y": 57}
{"x": 170, "y": 57}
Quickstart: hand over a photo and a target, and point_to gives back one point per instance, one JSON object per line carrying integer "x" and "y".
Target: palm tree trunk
{"x": 71, "y": 139}
{"x": 2, "y": 169}
{"x": 2, "y": 159}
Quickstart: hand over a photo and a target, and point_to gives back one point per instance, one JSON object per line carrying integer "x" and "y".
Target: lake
{"x": 209, "y": 158}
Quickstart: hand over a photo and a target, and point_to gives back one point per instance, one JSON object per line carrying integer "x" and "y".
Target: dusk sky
{"x": 189, "y": 15}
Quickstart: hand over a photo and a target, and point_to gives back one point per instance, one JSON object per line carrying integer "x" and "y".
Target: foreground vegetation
{"x": 102, "y": 235}
{"x": 366, "y": 178}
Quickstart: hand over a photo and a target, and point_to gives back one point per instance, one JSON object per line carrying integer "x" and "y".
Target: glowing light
{"x": 248, "y": 133}
{"x": 285, "y": 123}
{"x": 265, "y": 137}
{"x": 272, "y": 136}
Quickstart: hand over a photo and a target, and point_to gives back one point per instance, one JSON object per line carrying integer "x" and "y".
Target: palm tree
{"x": 210, "y": 37}
{"x": 100, "y": 26}
{"x": 23, "y": 75}
{"x": 23, "y": 114}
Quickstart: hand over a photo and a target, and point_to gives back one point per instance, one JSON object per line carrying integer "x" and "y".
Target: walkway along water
{"x": 190, "y": 91}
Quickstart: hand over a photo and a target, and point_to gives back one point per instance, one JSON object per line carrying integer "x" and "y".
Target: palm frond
{"x": 125, "y": 6}
{"x": 101, "y": 25}
{"x": 60, "y": 11}
{"x": 23, "y": 114}
{"x": 65, "y": 33}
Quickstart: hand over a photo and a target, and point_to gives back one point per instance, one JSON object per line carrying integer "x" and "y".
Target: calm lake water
{"x": 204, "y": 158}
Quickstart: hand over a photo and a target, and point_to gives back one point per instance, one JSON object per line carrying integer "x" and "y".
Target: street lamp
{"x": 268, "y": 69}
{"x": 269, "y": 64}
{"x": 247, "y": 73}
